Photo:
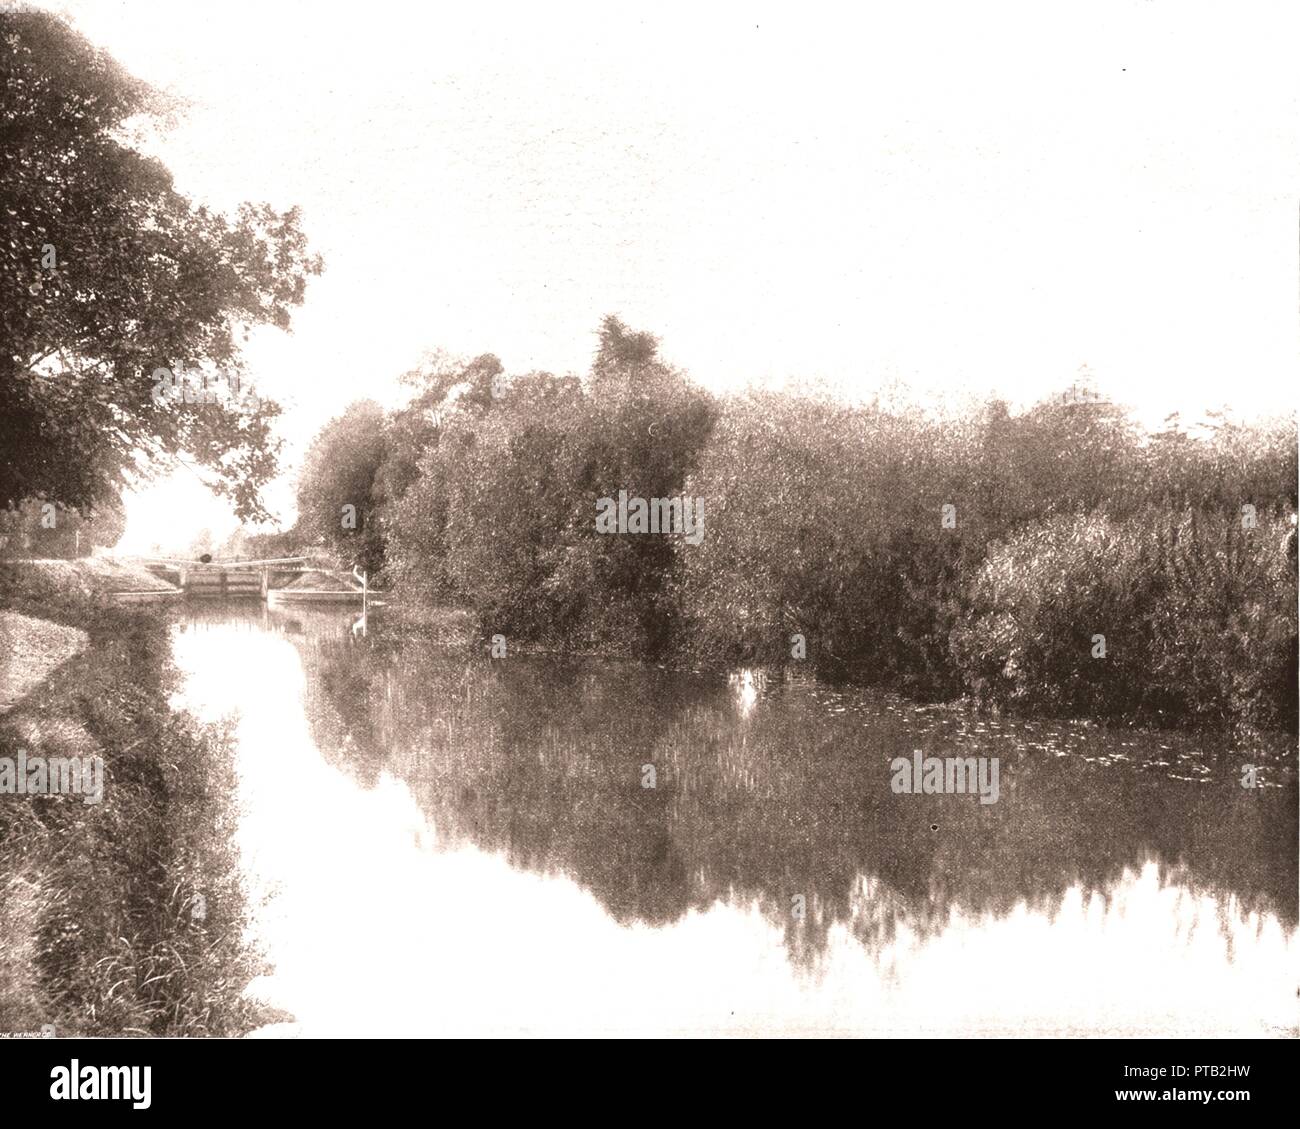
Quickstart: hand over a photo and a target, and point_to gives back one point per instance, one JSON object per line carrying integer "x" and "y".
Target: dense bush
{"x": 1223, "y": 628}
{"x": 825, "y": 523}
{"x": 1036, "y": 605}
{"x": 970, "y": 552}
{"x": 501, "y": 503}
{"x": 1197, "y": 615}
{"x": 337, "y": 507}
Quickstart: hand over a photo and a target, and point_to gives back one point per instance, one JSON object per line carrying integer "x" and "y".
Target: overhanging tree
{"x": 107, "y": 273}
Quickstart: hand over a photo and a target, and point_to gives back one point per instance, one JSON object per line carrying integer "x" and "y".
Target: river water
{"x": 436, "y": 842}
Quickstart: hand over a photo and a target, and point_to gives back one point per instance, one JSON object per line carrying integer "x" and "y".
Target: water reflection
{"x": 745, "y": 683}
{"x": 485, "y": 827}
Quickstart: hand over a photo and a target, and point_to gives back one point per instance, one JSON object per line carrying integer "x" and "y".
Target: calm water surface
{"x": 438, "y": 843}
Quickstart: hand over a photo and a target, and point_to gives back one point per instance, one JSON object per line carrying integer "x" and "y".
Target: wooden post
{"x": 361, "y": 576}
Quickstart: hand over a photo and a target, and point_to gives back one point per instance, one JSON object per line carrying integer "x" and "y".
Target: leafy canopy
{"x": 107, "y": 273}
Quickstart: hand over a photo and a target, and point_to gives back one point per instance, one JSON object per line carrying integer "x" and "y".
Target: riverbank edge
{"x": 458, "y": 623}
{"x": 126, "y": 917}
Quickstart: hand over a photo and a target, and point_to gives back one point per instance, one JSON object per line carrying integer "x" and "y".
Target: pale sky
{"x": 962, "y": 196}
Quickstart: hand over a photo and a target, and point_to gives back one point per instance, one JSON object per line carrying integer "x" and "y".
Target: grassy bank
{"x": 126, "y": 916}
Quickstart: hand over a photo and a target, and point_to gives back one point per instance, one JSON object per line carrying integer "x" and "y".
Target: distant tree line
{"x": 47, "y": 530}
{"x": 1059, "y": 559}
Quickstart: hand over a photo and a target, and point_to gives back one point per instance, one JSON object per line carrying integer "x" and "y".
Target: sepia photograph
{"x": 665, "y": 521}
